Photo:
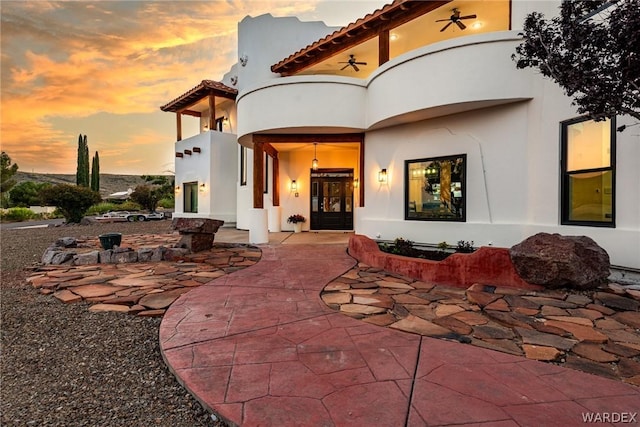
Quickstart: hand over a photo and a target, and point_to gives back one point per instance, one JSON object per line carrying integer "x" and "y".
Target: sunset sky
{"x": 103, "y": 68}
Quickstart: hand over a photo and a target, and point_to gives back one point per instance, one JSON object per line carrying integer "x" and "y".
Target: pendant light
{"x": 314, "y": 162}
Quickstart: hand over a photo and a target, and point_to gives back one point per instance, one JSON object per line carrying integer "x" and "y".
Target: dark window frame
{"x": 565, "y": 175}
{"x": 192, "y": 185}
{"x": 463, "y": 182}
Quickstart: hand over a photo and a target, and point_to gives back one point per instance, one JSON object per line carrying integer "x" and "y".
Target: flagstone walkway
{"x": 260, "y": 347}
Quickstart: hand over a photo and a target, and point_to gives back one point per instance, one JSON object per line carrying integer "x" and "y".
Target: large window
{"x": 588, "y": 172}
{"x": 191, "y": 197}
{"x": 435, "y": 188}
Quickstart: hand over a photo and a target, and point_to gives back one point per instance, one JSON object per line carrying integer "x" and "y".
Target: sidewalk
{"x": 259, "y": 347}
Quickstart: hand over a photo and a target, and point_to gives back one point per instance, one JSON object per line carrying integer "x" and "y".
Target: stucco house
{"x": 411, "y": 122}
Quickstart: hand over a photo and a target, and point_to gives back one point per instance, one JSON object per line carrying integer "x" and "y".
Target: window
{"x": 435, "y": 188}
{"x": 243, "y": 165}
{"x": 588, "y": 172}
{"x": 191, "y": 197}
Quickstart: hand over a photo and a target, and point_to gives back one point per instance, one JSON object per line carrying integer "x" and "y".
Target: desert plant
{"x": 167, "y": 202}
{"x": 294, "y": 219}
{"x": 17, "y": 214}
{"x": 72, "y": 201}
{"x": 128, "y": 206}
{"x": 465, "y": 247}
{"x": 443, "y": 246}
{"x": 103, "y": 207}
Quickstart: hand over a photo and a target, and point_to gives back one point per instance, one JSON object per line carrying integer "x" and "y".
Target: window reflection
{"x": 436, "y": 188}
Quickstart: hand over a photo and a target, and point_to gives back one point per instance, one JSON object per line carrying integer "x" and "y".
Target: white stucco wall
{"x": 215, "y": 166}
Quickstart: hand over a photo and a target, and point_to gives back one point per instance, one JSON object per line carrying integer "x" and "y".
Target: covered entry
{"x": 332, "y": 199}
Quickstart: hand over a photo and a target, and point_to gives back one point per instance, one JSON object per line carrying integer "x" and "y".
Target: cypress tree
{"x": 80, "y": 167}
{"x": 86, "y": 172}
{"x": 95, "y": 173}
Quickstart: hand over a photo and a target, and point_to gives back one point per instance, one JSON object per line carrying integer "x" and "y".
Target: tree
{"x": 27, "y": 194}
{"x": 592, "y": 50}
{"x": 7, "y": 170}
{"x": 82, "y": 171}
{"x": 72, "y": 201}
{"x": 146, "y": 196}
{"x": 95, "y": 173}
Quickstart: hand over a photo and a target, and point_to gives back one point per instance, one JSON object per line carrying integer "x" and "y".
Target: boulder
{"x": 196, "y": 225}
{"x": 66, "y": 242}
{"x": 556, "y": 261}
{"x": 87, "y": 258}
{"x": 196, "y": 234}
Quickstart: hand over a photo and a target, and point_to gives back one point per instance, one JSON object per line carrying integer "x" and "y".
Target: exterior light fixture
{"x": 177, "y": 188}
{"x": 203, "y": 187}
{"x": 294, "y": 185}
{"x": 476, "y": 25}
{"x": 393, "y": 37}
{"x": 382, "y": 176}
{"x": 356, "y": 183}
{"x": 314, "y": 162}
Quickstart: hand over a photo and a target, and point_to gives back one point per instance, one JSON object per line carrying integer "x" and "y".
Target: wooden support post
{"x": 383, "y": 47}
{"x": 361, "y": 169}
{"x": 258, "y": 170}
{"x": 178, "y": 126}
{"x": 276, "y": 180}
{"x": 212, "y": 112}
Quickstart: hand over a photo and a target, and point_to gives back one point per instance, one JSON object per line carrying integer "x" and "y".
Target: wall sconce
{"x": 177, "y": 189}
{"x": 382, "y": 176}
{"x": 243, "y": 60}
{"x": 203, "y": 187}
{"x": 356, "y": 183}
{"x": 294, "y": 185}
{"x": 234, "y": 80}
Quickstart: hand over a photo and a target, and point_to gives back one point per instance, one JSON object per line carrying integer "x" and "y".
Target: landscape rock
{"x": 66, "y": 242}
{"x": 557, "y": 261}
{"x": 60, "y": 258}
{"x": 196, "y": 234}
{"x": 122, "y": 257}
{"x": 87, "y": 258}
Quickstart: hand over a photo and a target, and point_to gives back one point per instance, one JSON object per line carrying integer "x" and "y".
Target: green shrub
{"x": 167, "y": 203}
{"x": 17, "y": 214}
{"x": 129, "y": 206}
{"x": 465, "y": 247}
{"x": 72, "y": 201}
{"x": 104, "y": 207}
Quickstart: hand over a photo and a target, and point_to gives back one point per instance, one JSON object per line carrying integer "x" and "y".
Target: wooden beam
{"x": 212, "y": 111}
{"x": 268, "y": 148}
{"x": 383, "y": 47}
{"x": 178, "y": 127}
{"x": 258, "y": 170}
{"x": 361, "y": 174}
{"x": 276, "y": 180}
{"x": 191, "y": 113}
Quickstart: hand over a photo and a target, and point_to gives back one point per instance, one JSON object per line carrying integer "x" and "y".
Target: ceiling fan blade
{"x": 446, "y": 26}
{"x": 468, "y": 17}
{"x": 461, "y": 25}
{"x": 355, "y": 67}
{"x": 443, "y": 20}
{"x": 360, "y": 63}
{"x": 344, "y": 67}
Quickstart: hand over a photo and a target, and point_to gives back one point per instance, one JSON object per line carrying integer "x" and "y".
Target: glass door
{"x": 332, "y": 199}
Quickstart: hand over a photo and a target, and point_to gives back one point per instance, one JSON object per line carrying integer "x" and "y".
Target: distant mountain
{"x": 109, "y": 183}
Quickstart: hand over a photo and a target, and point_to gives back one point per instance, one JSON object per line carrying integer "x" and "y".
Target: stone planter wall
{"x": 487, "y": 265}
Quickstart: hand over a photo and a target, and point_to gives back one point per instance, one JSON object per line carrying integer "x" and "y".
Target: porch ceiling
{"x": 325, "y": 55}
{"x": 322, "y": 147}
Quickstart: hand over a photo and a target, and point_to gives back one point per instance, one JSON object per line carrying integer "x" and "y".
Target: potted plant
{"x": 297, "y": 221}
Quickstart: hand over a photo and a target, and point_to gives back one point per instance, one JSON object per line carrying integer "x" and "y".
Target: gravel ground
{"x": 61, "y": 365}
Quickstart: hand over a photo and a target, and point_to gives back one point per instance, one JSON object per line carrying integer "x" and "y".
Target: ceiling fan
{"x": 352, "y": 62}
{"x": 455, "y": 19}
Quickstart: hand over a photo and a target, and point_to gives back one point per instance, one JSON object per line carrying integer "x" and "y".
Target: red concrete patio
{"x": 259, "y": 347}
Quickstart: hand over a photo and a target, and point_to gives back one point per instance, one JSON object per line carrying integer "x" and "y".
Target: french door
{"x": 332, "y": 199}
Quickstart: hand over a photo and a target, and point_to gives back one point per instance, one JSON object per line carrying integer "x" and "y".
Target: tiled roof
{"x": 199, "y": 92}
{"x": 389, "y": 16}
